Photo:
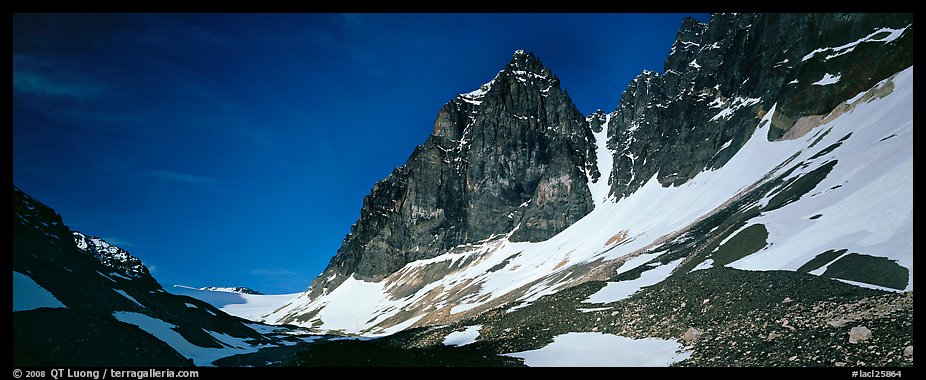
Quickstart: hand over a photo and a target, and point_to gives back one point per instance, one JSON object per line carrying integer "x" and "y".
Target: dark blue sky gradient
{"x": 235, "y": 150}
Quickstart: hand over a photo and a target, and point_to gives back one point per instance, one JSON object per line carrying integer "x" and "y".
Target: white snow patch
{"x": 28, "y": 295}
{"x": 119, "y": 275}
{"x": 827, "y": 79}
{"x": 107, "y": 277}
{"x": 201, "y": 356}
{"x": 869, "y": 286}
{"x": 593, "y": 309}
{"x": 190, "y": 305}
{"x": 476, "y": 97}
{"x": 893, "y": 34}
{"x": 726, "y": 144}
{"x": 126, "y": 295}
{"x": 735, "y": 105}
{"x": 590, "y": 349}
{"x": 637, "y": 261}
{"x": 706, "y": 264}
{"x": 462, "y": 338}
{"x": 616, "y": 291}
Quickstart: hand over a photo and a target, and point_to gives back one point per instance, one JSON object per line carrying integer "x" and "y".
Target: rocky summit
{"x": 510, "y": 158}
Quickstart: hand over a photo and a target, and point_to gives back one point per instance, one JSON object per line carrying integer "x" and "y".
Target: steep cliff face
{"x": 722, "y": 77}
{"x": 509, "y": 158}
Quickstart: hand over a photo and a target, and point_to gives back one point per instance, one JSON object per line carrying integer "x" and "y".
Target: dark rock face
{"x": 93, "y": 283}
{"x": 514, "y": 155}
{"x": 721, "y": 78}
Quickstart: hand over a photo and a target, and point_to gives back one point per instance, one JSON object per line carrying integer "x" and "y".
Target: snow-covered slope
{"x": 865, "y": 202}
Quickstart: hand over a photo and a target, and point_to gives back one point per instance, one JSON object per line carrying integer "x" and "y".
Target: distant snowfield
{"x": 248, "y": 306}
{"x": 871, "y": 213}
{"x": 603, "y": 350}
{"x": 28, "y": 295}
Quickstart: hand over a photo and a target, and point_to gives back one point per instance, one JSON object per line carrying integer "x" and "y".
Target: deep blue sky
{"x": 235, "y": 150}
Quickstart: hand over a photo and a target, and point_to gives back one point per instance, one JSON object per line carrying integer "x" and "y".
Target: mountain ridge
{"x": 119, "y": 315}
{"x": 669, "y": 132}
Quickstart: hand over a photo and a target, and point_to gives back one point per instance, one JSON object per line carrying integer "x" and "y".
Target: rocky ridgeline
{"x": 233, "y": 289}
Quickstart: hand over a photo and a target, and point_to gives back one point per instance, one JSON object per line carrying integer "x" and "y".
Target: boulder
{"x": 859, "y": 334}
{"x": 692, "y": 334}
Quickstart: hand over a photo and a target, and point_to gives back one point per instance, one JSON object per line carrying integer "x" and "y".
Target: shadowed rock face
{"x": 720, "y": 79}
{"x": 94, "y": 281}
{"x": 512, "y": 157}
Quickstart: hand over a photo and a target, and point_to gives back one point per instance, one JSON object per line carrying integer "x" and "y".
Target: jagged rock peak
{"x": 523, "y": 69}
{"x": 111, "y": 255}
{"x": 691, "y": 30}
{"x": 527, "y": 68}
{"x": 507, "y": 159}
